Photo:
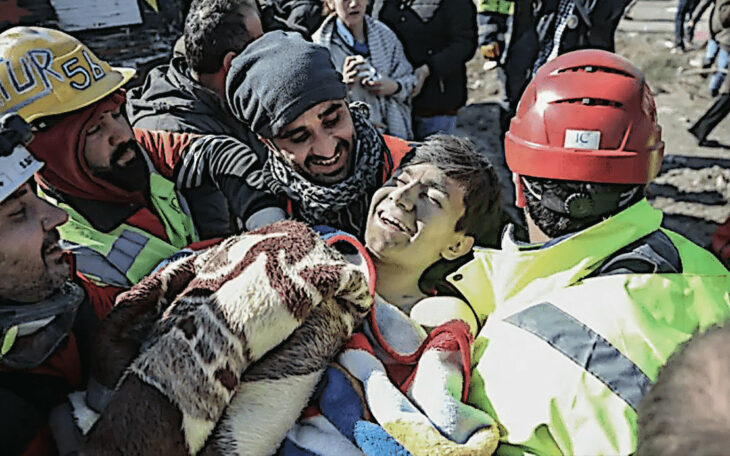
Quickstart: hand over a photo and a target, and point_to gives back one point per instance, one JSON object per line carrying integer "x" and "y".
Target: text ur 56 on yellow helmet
{"x": 45, "y": 72}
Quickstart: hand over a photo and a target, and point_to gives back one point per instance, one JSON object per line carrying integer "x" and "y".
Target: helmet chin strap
{"x": 579, "y": 205}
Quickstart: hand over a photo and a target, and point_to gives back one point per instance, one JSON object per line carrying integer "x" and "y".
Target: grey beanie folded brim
{"x": 277, "y": 78}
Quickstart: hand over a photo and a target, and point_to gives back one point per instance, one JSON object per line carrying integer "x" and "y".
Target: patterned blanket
{"x": 239, "y": 338}
{"x": 396, "y": 390}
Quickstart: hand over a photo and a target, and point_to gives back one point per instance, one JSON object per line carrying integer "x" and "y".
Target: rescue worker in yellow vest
{"x": 116, "y": 183}
{"x": 582, "y": 318}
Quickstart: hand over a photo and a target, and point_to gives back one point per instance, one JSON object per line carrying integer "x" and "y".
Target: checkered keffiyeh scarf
{"x": 550, "y": 49}
{"x": 343, "y": 205}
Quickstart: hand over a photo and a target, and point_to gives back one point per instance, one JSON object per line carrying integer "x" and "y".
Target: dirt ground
{"x": 693, "y": 188}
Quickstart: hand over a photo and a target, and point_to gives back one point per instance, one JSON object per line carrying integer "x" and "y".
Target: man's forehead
{"x": 317, "y": 111}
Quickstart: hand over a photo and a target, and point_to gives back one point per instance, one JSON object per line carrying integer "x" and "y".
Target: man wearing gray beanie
{"x": 325, "y": 158}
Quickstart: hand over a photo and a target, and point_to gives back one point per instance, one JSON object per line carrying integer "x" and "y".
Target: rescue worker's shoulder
{"x": 695, "y": 259}
{"x": 164, "y": 148}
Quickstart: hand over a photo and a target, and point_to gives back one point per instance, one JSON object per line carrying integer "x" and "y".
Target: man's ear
{"x": 519, "y": 191}
{"x": 227, "y": 59}
{"x": 462, "y": 245}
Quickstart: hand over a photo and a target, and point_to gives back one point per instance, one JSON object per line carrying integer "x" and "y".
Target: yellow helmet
{"x": 45, "y": 72}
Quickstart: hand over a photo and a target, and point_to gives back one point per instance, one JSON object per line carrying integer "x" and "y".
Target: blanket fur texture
{"x": 240, "y": 336}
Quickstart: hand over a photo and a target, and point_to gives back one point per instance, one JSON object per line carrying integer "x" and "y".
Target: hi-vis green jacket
{"x": 575, "y": 336}
{"x": 124, "y": 254}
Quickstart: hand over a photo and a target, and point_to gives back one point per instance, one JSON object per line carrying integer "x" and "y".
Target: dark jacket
{"x": 516, "y": 33}
{"x": 532, "y": 27}
{"x": 169, "y": 100}
{"x": 440, "y": 34}
{"x": 595, "y": 30}
{"x": 303, "y": 16}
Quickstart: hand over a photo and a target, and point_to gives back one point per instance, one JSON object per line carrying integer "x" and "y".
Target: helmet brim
{"x": 113, "y": 81}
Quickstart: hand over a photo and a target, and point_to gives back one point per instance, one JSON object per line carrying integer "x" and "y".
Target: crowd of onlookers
{"x": 276, "y": 245}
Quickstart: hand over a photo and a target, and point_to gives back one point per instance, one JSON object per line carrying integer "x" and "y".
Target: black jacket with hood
{"x": 170, "y": 100}
{"x": 442, "y": 34}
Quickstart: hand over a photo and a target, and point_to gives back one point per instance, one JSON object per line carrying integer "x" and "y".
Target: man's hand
{"x": 382, "y": 87}
{"x": 422, "y": 72}
{"x": 491, "y": 51}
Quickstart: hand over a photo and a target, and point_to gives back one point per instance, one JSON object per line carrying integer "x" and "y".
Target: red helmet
{"x": 586, "y": 116}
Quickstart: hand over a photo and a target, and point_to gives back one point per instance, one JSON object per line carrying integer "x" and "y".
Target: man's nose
{"x": 325, "y": 146}
{"x": 51, "y": 216}
{"x": 119, "y": 132}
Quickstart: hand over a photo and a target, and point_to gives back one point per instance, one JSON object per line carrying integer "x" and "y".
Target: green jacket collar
{"x": 496, "y": 275}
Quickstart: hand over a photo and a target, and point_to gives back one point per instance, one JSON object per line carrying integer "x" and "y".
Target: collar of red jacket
{"x": 61, "y": 147}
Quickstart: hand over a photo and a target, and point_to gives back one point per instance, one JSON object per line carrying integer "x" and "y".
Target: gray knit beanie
{"x": 277, "y": 78}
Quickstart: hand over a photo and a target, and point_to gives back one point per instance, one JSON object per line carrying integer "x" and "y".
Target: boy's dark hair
{"x": 687, "y": 411}
{"x": 615, "y": 197}
{"x": 214, "y": 28}
{"x": 459, "y": 159}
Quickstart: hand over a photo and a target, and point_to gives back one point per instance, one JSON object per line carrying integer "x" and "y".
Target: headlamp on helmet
{"x": 17, "y": 165}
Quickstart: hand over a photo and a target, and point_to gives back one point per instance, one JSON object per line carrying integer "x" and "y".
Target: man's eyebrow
{"x": 292, "y": 132}
{"x": 331, "y": 110}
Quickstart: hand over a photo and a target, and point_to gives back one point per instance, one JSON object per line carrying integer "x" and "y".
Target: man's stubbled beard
{"x": 132, "y": 176}
{"x": 337, "y": 176}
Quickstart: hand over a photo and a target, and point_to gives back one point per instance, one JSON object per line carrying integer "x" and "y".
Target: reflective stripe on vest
{"x": 497, "y": 6}
{"x": 172, "y": 211}
{"x": 125, "y": 249}
{"x": 128, "y": 251}
{"x": 586, "y": 348}
{"x": 95, "y": 266}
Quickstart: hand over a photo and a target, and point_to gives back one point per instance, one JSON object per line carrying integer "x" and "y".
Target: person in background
{"x": 302, "y": 16}
{"x": 372, "y": 62}
{"x": 439, "y": 37}
{"x": 684, "y": 11}
{"x": 537, "y": 32}
{"x": 720, "y": 29}
{"x": 699, "y": 9}
{"x": 188, "y": 96}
